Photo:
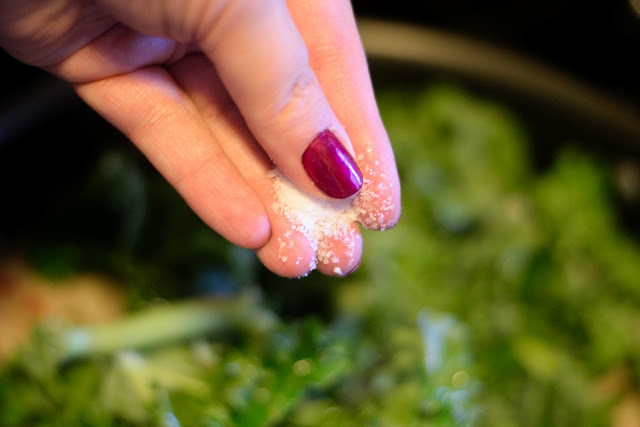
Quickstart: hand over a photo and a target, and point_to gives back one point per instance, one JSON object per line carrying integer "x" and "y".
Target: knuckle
{"x": 298, "y": 103}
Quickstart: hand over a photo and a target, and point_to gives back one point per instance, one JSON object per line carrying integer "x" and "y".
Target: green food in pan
{"x": 507, "y": 295}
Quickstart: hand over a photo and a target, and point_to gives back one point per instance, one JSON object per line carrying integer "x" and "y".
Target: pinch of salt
{"x": 320, "y": 221}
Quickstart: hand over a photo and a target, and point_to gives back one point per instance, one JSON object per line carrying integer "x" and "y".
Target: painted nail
{"x": 331, "y": 167}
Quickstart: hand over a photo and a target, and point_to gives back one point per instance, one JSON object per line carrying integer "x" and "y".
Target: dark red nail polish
{"x": 331, "y": 167}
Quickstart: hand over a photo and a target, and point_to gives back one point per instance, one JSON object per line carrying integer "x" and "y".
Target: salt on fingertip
{"x": 320, "y": 221}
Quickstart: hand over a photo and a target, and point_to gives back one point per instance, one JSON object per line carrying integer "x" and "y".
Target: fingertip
{"x": 255, "y": 232}
{"x": 230, "y": 208}
{"x": 383, "y": 216}
{"x": 288, "y": 255}
{"x": 340, "y": 255}
{"x": 378, "y": 203}
{"x": 245, "y": 225}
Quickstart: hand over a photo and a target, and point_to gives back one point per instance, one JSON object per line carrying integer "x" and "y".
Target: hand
{"x": 214, "y": 92}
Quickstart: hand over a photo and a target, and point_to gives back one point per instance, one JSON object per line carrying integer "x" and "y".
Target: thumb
{"x": 263, "y": 62}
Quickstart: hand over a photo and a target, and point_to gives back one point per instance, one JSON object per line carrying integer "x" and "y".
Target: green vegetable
{"x": 503, "y": 297}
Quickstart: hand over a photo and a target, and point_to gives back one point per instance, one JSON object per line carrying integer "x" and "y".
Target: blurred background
{"x": 596, "y": 40}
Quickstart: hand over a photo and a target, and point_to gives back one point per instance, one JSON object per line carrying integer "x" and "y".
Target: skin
{"x": 214, "y": 92}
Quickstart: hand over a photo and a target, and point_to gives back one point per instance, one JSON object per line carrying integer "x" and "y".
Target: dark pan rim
{"x": 448, "y": 53}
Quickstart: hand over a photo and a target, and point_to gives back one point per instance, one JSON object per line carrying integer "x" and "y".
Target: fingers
{"x": 159, "y": 118}
{"x": 262, "y": 60}
{"x": 337, "y": 58}
{"x": 283, "y": 94}
{"x": 305, "y": 232}
{"x": 278, "y": 94}
{"x": 329, "y": 226}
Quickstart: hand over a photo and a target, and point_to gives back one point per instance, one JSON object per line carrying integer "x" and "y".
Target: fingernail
{"x": 331, "y": 167}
